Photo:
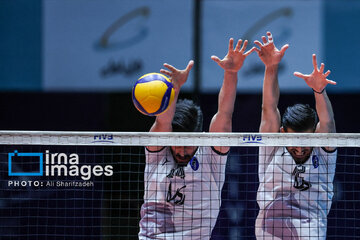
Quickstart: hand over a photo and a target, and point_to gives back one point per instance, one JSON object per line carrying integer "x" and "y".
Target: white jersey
{"x": 181, "y": 202}
{"x": 294, "y": 200}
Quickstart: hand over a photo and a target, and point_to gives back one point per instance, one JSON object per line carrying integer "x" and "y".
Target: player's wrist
{"x": 318, "y": 92}
{"x": 231, "y": 72}
{"x": 272, "y": 68}
{"x": 177, "y": 86}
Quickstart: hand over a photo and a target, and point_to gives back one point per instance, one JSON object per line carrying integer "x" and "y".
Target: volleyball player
{"x": 296, "y": 183}
{"x": 183, "y": 184}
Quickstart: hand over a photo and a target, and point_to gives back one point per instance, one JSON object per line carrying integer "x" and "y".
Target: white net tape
{"x": 179, "y": 139}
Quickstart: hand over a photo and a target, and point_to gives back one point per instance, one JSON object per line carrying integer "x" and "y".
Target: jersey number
{"x": 299, "y": 182}
{"x": 178, "y": 198}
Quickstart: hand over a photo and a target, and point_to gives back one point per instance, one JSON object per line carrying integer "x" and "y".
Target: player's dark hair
{"x": 188, "y": 117}
{"x": 300, "y": 118}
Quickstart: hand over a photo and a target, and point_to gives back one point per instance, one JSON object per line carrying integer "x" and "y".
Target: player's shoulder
{"x": 206, "y": 150}
{"x": 148, "y": 150}
{"x": 156, "y": 156}
{"x": 325, "y": 151}
{"x": 270, "y": 150}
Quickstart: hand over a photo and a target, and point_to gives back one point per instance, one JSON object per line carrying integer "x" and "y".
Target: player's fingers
{"x": 322, "y": 66}
{"x": 257, "y": 51}
{"x": 331, "y": 82}
{"x": 327, "y": 73}
{"x": 314, "y": 62}
{"x": 166, "y": 72}
{"x": 256, "y": 42}
{"x": 300, "y": 75}
{"x": 231, "y": 44}
{"x": 283, "y": 49}
{"x": 244, "y": 46}
{"x": 216, "y": 59}
{"x": 263, "y": 38}
{"x": 270, "y": 38}
{"x": 251, "y": 50}
{"x": 238, "y": 45}
{"x": 190, "y": 65}
{"x": 170, "y": 67}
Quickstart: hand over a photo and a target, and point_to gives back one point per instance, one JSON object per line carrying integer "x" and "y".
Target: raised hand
{"x": 268, "y": 53}
{"x": 317, "y": 80}
{"x": 234, "y": 59}
{"x": 178, "y": 77}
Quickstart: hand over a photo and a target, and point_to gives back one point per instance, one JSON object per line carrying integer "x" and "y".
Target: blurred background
{"x": 70, "y": 65}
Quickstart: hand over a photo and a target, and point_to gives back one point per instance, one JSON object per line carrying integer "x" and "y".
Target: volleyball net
{"x": 88, "y": 185}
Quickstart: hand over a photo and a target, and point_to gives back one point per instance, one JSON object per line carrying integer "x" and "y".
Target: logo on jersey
{"x": 194, "y": 163}
{"x": 178, "y": 172}
{"x": 166, "y": 161}
{"x": 315, "y": 161}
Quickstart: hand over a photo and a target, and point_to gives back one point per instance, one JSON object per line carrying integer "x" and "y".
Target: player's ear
{"x": 282, "y": 130}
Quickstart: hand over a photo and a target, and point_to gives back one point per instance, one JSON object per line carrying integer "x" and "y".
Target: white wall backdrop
{"x": 107, "y": 45}
{"x": 94, "y": 45}
{"x": 297, "y": 23}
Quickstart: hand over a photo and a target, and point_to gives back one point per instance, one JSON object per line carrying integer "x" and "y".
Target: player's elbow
{"x": 221, "y": 122}
{"x": 224, "y": 115}
{"x": 331, "y": 126}
{"x": 160, "y": 126}
{"x": 326, "y": 127}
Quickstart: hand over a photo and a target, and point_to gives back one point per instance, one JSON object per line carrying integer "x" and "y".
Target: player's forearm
{"x": 271, "y": 91}
{"x": 325, "y": 113}
{"x": 222, "y": 120}
{"x": 227, "y": 94}
{"x": 270, "y": 116}
{"x": 163, "y": 122}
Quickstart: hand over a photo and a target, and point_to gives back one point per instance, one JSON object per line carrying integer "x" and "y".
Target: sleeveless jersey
{"x": 294, "y": 199}
{"x": 181, "y": 202}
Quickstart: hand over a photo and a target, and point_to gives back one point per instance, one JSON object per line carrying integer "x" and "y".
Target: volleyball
{"x": 153, "y": 93}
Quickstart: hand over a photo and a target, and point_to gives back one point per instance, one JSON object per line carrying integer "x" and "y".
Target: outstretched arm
{"x": 163, "y": 121}
{"x": 231, "y": 63}
{"x": 271, "y": 57}
{"x": 317, "y": 80}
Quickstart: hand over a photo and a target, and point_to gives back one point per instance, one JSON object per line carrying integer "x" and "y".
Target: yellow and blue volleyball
{"x": 153, "y": 93}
